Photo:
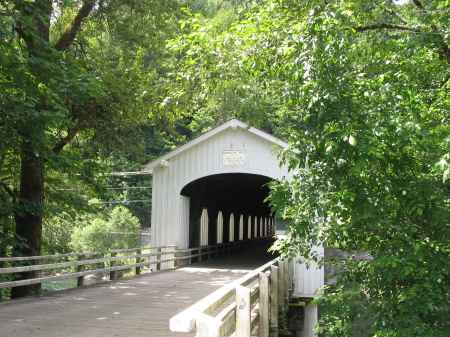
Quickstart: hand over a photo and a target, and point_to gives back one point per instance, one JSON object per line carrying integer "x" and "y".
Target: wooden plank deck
{"x": 140, "y": 305}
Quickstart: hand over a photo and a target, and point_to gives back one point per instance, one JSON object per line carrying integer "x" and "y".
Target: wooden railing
{"x": 249, "y": 304}
{"x": 38, "y": 264}
{"x": 155, "y": 258}
{"x": 210, "y": 251}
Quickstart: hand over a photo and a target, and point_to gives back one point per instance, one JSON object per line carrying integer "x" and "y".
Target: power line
{"x": 124, "y": 201}
{"x": 127, "y": 173}
{"x": 127, "y": 188}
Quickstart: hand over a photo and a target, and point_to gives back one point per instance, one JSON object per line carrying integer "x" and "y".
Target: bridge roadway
{"x": 139, "y": 305}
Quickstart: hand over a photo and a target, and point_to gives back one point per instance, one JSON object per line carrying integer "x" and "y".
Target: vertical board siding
{"x": 308, "y": 279}
{"x": 184, "y": 221}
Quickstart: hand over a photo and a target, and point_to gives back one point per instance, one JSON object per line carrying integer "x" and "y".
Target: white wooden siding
{"x": 308, "y": 279}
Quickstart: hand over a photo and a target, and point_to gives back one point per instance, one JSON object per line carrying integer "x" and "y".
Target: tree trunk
{"x": 30, "y": 213}
{"x": 29, "y": 220}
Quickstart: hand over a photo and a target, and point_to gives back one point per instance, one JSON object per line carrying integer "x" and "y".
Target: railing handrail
{"x": 43, "y": 257}
{"x": 185, "y": 320}
{"x": 258, "y": 305}
{"x": 10, "y": 270}
{"x": 174, "y": 255}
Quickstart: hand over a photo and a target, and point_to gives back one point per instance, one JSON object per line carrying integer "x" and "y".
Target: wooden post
{"x": 207, "y": 326}
{"x": 112, "y": 273}
{"x": 175, "y": 255}
{"x": 288, "y": 281}
{"x": 261, "y": 231}
{"x": 273, "y": 301}
{"x": 264, "y": 321}
{"x": 243, "y": 311}
{"x": 80, "y": 269}
{"x": 158, "y": 257}
{"x": 138, "y": 260}
{"x": 281, "y": 276}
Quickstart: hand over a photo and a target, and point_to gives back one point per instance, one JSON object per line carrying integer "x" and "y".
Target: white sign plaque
{"x": 233, "y": 158}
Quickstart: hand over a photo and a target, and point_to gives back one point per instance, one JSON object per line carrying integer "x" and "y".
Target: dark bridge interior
{"x": 237, "y": 193}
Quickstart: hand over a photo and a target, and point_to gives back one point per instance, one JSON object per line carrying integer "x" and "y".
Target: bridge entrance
{"x": 231, "y": 201}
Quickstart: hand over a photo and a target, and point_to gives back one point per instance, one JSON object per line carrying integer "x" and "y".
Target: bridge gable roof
{"x": 233, "y": 123}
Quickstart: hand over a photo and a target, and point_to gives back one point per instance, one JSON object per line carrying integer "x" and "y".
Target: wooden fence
{"x": 155, "y": 258}
{"x": 245, "y": 307}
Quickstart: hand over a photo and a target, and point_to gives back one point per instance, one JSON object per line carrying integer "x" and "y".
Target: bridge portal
{"x": 231, "y": 197}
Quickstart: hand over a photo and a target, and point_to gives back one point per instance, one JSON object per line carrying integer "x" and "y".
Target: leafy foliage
{"x": 77, "y": 81}
{"x": 109, "y": 229}
{"x": 364, "y": 88}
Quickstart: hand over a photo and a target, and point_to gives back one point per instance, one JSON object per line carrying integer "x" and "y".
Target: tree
{"x": 366, "y": 87}
{"x": 56, "y": 88}
{"x": 110, "y": 229}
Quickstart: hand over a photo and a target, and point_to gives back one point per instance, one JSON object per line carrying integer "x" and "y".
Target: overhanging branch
{"x": 69, "y": 35}
{"x": 386, "y": 26}
{"x": 8, "y": 189}
{"x": 69, "y": 137}
{"x": 391, "y": 12}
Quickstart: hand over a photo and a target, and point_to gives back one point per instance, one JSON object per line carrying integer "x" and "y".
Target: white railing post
{"x": 243, "y": 311}
{"x": 208, "y": 326}
{"x": 281, "y": 283}
{"x": 264, "y": 322}
{"x": 273, "y": 301}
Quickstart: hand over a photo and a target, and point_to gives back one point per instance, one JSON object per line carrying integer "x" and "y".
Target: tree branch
{"x": 69, "y": 35}
{"x": 386, "y": 26}
{"x": 24, "y": 36}
{"x": 69, "y": 137}
{"x": 443, "y": 46}
{"x": 391, "y": 12}
{"x": 8, "y": 189}
{"x": 419, "y": 5}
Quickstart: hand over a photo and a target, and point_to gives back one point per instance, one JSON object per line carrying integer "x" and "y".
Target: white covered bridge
{"x": 222, "y": 173}
{"x": 212, "y": 190}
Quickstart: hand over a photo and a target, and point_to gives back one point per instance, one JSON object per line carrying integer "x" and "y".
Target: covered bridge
{"x": 220, "y": 177}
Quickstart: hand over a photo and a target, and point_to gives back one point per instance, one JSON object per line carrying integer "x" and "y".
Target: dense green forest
{"x": 359, "y": 88}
